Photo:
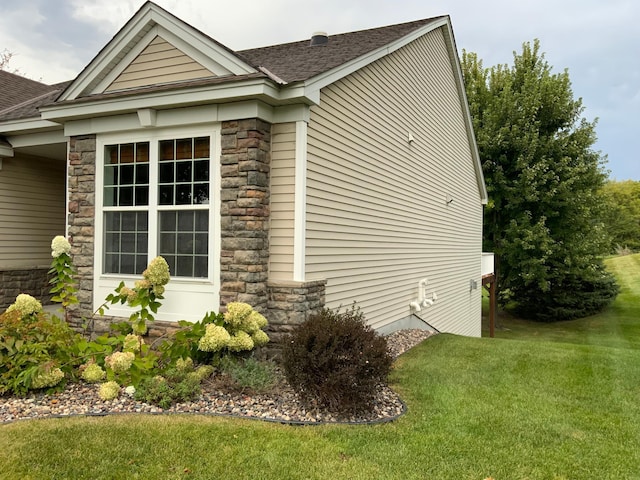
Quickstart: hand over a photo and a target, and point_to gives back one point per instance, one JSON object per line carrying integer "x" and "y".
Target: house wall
{"x": 282, "y": 201}
{"x": 32, "y": 212}
{"x": 378, "y": 220}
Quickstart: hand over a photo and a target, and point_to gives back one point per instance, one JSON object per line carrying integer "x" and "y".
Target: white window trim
{"x": 184, "y": 298}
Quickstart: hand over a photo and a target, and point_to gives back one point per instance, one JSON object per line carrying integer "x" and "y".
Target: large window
{"x": 156, "y": 202}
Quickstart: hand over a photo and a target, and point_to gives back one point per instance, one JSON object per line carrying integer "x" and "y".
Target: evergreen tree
{"x": 543, "y": 219}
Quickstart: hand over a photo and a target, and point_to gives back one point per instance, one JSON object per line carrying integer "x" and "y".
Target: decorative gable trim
{"x": 149, "y": 22}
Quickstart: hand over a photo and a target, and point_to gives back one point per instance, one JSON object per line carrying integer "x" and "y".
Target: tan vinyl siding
{"x": 159, "y": 63}
{"x": 32, "y": 210}
{"x": 283, "y": 142}
{"x": 377, "y": 215}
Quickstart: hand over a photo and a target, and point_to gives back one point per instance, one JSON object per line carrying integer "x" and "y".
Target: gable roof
{"x": 149, "y": 22}
{"x": 300, "y": 61}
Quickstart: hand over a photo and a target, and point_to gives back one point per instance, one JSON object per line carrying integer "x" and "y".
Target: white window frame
{"x": 184, "y": 298}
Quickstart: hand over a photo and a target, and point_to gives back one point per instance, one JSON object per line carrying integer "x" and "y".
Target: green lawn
{"x": 561, "y": 402}
{"x": 618, "y": 326}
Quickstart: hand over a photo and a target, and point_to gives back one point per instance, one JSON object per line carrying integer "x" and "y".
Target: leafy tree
{"x": 544, "y": 181}
{"x": 622, "y": 219}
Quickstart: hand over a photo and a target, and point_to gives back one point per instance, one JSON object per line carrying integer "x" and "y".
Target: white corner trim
{"x": 300, "y": 202}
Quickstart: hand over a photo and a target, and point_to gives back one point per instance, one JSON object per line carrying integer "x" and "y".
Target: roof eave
{"x": 261, "y": 89}
{"x": 27, "y": 125}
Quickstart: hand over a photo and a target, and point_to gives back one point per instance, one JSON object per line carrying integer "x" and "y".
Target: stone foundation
{"x": 33, "y": 281}
{"x": 290, "y": 304}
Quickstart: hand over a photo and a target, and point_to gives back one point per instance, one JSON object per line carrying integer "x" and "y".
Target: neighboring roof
{"x": 30, "y": 107}
{"x": 17, "y": 89}
{"x": 299, "y": 61}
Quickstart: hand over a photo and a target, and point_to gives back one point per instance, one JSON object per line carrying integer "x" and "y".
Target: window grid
{"x": 126, "y": 175}
{"x": 184, "y": 240}
{"x": 126, "y": 242}
{"x": 180, "y": 202}
{"x": 184, "y": 171}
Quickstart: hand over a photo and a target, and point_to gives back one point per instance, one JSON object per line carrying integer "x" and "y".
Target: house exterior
{"x": 334, "y": 170}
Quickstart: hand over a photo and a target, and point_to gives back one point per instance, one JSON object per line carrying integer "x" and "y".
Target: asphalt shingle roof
{"x": 290, "y": 62}
{"x": 299, "y": 61}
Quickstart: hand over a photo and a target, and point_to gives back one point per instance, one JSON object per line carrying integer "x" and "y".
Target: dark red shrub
{"x": 335, "y": 361}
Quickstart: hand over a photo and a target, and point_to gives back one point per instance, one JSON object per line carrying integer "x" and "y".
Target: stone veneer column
{"x": 82, "y": 189}
{"x": 244, "y": 212}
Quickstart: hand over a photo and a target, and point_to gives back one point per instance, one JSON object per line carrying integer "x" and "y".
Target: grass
{"x": 561, "y": 402}
{"x": 617, "y": 326}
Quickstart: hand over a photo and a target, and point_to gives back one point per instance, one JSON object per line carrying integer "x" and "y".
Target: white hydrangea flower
{"x": 214, "y": 339}
{"x": 60, "y": 245}
{"x": 26, "y": 305}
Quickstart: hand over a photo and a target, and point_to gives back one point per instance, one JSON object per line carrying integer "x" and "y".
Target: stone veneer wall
{"x": 244, "y": 212}
{"x": 82, "y": 190}
{"x": 33, "y": 281}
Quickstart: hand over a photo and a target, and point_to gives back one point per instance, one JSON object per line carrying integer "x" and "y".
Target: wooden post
{"x": 490, "y": 282}
{"x": 492, "y": 308}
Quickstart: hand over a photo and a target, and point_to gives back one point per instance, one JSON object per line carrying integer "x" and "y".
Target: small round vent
{"x": 319, "y": 39}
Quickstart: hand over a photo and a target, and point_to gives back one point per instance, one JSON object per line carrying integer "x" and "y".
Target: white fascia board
{"x": 109, "y": 54}
{"x": 312, "y": 86}
{"x": 194, "y": 41}
{"x": 189, "y": 116}
{"x": 213, "y": 60}
{"x": 27, "y": 125}
{"x": 38, "y": 138}
{"x": 124, "y": 62}
{"x": 256, "y": 88}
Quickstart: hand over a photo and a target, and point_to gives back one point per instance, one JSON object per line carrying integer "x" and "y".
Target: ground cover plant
{"x": 535, "y": 408}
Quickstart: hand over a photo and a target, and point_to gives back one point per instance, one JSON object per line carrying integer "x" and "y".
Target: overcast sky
{"x": 597, "y": 41}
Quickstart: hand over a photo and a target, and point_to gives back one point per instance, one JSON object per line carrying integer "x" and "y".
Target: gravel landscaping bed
{"x": 280, "y": 405}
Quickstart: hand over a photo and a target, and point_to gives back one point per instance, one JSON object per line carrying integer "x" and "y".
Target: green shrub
{"x": 569, "y": 298}
{"x": 334, "y": 360}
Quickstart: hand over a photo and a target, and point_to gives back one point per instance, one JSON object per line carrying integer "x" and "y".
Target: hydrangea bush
{"x": 41, "y": 351}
